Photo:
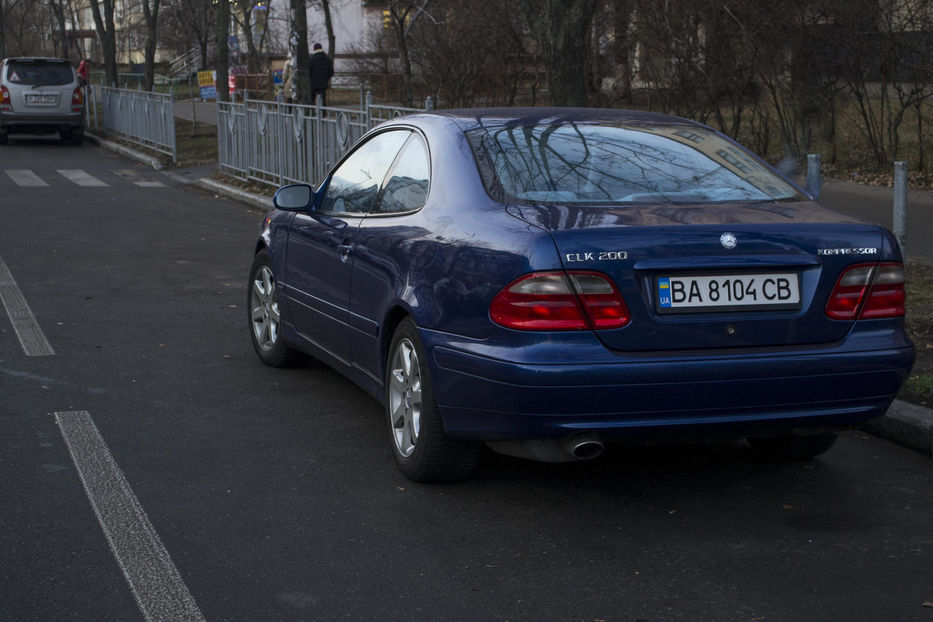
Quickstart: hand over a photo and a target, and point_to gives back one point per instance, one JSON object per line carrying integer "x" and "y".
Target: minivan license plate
{"x": 723, "y": 292}
{"x": 32, "y": 98}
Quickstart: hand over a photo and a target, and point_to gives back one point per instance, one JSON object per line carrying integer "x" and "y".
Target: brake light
{"x": 560, "y": 301}
{"x": 868, "y": 291}
{"x": 5, "y": 99}
{"x": 77, "y": 100}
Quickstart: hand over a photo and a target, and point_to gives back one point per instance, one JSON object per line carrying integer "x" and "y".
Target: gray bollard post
{"x": 429, "y": 103}
{"x": 814, "y": 174}
{"x": 900, "y": 205}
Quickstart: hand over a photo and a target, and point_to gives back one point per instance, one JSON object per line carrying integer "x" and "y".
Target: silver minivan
{"x": 40, "y": 96}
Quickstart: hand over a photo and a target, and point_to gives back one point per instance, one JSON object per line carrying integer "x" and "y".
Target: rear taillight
{"x": 560, "y": 301}
{"x": 77, "y": 100}
{"x": 868, "y": 291}
{"x": 5, "y": 99}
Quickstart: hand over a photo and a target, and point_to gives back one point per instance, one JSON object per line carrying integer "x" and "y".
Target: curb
{"x": 905, "y": 424}
{"x": 125, "y": 151}
{"x": 255, "y": 200}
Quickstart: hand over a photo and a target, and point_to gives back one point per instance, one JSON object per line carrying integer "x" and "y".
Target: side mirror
{"x": 296, "y": 197}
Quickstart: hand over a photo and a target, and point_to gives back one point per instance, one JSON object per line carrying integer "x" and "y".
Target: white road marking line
{"x": 158, "y": 588}
{"x": 77, "y": 176}
{"x": 24, "y": 322}
{"x": 25, "y": 178}
{"x": 149, "y": 184}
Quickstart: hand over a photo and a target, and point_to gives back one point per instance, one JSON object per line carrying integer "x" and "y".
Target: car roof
{"x": 468, "y": 118}
{"x": 43, "y": 59}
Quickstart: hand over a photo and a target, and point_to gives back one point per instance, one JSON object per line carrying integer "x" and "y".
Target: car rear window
{"x": 588, "y": 163}
{"x": 39, "y": 73}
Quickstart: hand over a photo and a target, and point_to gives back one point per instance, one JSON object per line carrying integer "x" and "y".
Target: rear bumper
{"x": 661, "y": 398}
{"x": 30, "y": 122}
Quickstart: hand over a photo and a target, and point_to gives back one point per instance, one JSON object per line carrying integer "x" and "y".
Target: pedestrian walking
{"x": 288, "y": 84}
{"x": 84, "y": 70}
{"x": 322, "y": 68}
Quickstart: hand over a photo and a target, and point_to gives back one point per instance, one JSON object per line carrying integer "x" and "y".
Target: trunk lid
{"x": 715, "y": 276}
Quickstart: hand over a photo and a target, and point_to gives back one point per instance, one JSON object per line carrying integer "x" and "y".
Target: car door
{"x": 320, "y": 244}
{"x": 388, "y": 240}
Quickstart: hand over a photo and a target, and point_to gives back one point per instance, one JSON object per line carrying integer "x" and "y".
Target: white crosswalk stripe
{"x": 25, "y": 178}
{"x": 82, "y": 178}
{"x": 29, "y": 179}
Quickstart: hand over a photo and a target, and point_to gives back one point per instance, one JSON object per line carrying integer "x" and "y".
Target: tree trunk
{"x": 562, "y": 33}
{"x": 299, "y": 45}
{"x": 223, "y": 52}
{"x": 329, "y": 25}
{"x": 151, "y": 13}
{"x": 107, "y": 36}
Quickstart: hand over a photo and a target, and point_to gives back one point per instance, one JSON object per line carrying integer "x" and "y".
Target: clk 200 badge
{"x": 596, "y": 256}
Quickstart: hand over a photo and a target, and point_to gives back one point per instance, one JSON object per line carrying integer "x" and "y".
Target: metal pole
{"x": 194, "y": 108}
{"x": 900, "y": 205}
{"x": 814, "y": 174}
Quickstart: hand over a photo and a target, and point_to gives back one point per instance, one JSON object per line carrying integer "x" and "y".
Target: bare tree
{"x": 151, "y": 15}
{"x": 107, "y": 35}
{"x": 243, "y": 15}
{"x": 562, "y": 29}
{"x": 403, "y": 15}
{"x": 2, "y": 28}
{"x": 222, "y": 56}
{"x": 466, "y": 59}
{"x": 329, "y": 26}
{"x": 298, "y": 45}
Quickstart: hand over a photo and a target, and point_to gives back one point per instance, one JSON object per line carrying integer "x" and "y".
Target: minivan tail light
{"x": 77, "y": 100}
{"x": 868, "y": 291}
{"x": 5, "y": 102}
{"x": 553, "y": 301}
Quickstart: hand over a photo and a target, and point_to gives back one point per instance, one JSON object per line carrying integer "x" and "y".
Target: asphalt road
{"x": 153, "y": 450}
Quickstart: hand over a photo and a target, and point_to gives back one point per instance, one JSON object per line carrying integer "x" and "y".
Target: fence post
{"x": 171, "y": 124}
{"x": 369, "y": 103}
{"x": 814, "y": 174}
{"x": 900, "y": 205}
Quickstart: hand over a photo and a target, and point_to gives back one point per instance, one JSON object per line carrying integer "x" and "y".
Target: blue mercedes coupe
{"x": 545, "y": 280}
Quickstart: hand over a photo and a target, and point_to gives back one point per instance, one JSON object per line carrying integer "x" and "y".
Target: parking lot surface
{"x": 154, "y": 468}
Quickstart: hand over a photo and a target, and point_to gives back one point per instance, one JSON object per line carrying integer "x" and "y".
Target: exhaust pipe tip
{"x": 578, "y": 447}
{"x": 583, "y": 447}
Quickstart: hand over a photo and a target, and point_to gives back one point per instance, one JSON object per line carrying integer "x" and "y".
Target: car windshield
{"x": 39, "y": 73}
{"x": 567, "y": 162}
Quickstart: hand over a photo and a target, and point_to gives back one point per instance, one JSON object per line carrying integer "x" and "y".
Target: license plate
{"x": 32, "y": 98}
{"x": 724, "y": 292}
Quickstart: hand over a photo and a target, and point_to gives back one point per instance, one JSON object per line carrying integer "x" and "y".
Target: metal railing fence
{"x": 141, "y": 117}
{"x": 277, "y": 144}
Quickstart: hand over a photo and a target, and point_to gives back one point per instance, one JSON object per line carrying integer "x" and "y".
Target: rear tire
{"x": 4, "y": 138}
{"x": 421, "y": 447}
{"x": 792, "y": 446}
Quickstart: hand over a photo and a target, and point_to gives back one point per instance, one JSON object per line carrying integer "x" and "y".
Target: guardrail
{"x": 277, "y": 144}
{"x": 141, "y": 117}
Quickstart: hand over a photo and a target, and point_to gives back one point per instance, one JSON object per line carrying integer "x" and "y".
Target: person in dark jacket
{"x": 321, "y": 71}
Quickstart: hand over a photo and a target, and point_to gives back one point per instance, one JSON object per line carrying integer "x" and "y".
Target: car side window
{"x": 407, "y": 187}
{"x": 355, "y": 183}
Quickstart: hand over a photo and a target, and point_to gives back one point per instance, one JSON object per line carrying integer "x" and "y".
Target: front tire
{"x": 792, "y": 446}
{"x": 264, "y": 316}
{"x": 421, "y": 447}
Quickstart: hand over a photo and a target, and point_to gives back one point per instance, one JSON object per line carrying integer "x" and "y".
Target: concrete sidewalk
{"x": 906, "y": 424}
{"x": 196, "y": 110}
